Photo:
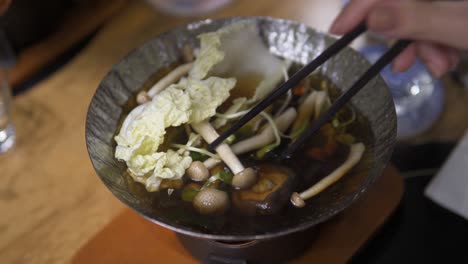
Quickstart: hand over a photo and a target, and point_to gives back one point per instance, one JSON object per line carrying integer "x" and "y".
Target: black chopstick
{"x": 336, "y": 47}
{"x": 345, "y": 97}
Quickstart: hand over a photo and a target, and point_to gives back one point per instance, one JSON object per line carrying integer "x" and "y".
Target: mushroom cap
{"x": 198, "y": 171}
{"x": 143, "y": 97}
{"x": 297, "y": 201}
{"x": 244, "y": 179}
{"x": 211, "y": 201}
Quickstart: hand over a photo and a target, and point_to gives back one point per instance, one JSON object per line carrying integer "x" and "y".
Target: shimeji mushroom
{"x": 305, "y": 110}
{"x": 211, "y": 162}
{"x": 198, "y": 171}
{"x": 265, "y": 137}
{"x": 167, "y": 80}
{"x": 355, "y": 154}
{"x": 211, "y": 201}
{"x": 312, "y": 105}
{"x": 320, "y": 100}
{"x": 243, "y": 178}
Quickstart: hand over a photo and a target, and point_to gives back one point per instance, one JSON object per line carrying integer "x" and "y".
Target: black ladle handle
{"x": 373, "y": 71}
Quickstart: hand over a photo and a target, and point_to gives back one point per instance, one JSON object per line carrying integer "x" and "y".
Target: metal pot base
{"x": 275, "y": 250}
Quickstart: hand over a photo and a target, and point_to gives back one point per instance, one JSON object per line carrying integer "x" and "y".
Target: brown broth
{"x": 174, "y": 209}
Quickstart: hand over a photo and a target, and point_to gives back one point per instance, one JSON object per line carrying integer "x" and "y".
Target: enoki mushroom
{"x": 355, "y": 154}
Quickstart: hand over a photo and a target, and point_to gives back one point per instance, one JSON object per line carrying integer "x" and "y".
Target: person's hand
{"x": 440, "y": 28}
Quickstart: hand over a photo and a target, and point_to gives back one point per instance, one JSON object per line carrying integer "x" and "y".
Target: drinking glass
{"x": 7, "y": 129}
{"x": 418, "y": 96}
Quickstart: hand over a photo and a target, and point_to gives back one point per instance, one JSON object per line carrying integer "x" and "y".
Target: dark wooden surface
{"x": 77, "y": 24}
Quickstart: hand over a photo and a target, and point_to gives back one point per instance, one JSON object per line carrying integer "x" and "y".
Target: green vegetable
{"x": 338, "y": 124}
{"x": 299, "y": 131}
{"x": 197, "y": 156}
{"x": 244, "y": 132}
{"x": 263, "y": 151}
{"x": 335, "y": 123}
{"x": 230, "y": 139}
{"x": 225, "y": 176}
{"x": 210, "y": 181}
{"x": 189, "y": 193}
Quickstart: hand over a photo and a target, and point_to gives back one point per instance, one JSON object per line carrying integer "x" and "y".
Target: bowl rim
{"x": 366, "y": 184}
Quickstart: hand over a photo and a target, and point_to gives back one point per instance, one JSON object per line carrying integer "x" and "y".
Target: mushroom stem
{"x": 264, "y": 138}
{"x": 355, "y": 154}
{"x": 319, "y": 101}
{"x": 305, "y": 110}
{"x": 243, "y": 178}
{"x": 209, "y": 134}
{"x": 170, "y": 78}
{"x": 267, "y": 135}
{"x": 188, "y": 53}
{"x": 211, "y": 163}
{"x": 235, "y": 107}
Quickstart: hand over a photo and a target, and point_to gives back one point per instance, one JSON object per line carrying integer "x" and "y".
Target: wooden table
{"x": 50, "y": 198}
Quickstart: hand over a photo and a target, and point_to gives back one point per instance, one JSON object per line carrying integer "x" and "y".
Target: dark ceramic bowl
{"x": 287, "y": 39}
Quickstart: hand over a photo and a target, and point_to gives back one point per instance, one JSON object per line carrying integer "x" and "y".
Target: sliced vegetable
{"x": 267, "y": 135}
{"x": 236, "y": 106}
{"x": 209, "y": 182}
{"x": 225, "y": 176}
{"x": 260, "y": 154}
{"x": 190, "y": 191}
{"x": 197, "y": 156}
{"x": 229, "y": 140}
{"x": 305, "y": 111}
{"x": 193, "y": 149}
{"x": 144, "y": 129}
{"x": 341, "y": 124}
{"x": 193, "y": 140}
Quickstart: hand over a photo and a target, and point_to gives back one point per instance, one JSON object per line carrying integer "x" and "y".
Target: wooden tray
{"x": 131, "y": 239}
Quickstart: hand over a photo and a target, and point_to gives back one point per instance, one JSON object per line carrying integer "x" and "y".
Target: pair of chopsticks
{"x": 333, "y": 49}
